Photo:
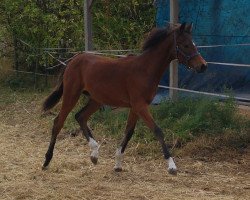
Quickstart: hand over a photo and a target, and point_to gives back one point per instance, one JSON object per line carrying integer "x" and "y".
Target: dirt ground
{"x": 24, "y": 140}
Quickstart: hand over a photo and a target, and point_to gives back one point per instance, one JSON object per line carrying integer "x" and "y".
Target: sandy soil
{"x": 24, "y": 140}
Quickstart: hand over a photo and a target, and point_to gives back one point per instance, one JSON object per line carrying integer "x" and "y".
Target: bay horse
{"x": 125, "y": 82}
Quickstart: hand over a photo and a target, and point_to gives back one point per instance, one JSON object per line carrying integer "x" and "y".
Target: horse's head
{"x": 186, "y": 51}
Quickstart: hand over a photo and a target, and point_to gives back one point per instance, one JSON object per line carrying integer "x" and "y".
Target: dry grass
{"x": 24, "y": 140}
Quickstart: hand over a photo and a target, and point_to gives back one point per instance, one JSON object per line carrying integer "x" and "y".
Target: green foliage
{"x": 192, "y": 117}
{"x": 113, "y": 121}
{"x": 41, "y": 24}
{"x": 44, "y": 23}
{"x": 185, "y": 120}
{"x": 122, "y": 24}
{"x": 59, "y": 23}
{"x": 23, "y": 82}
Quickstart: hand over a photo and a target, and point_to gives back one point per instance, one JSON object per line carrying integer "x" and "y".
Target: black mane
{"x": 156, "y": 36}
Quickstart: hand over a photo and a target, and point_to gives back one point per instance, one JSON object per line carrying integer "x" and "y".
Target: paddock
{"x": 220, "y": 174}
{"x": 24, "y": 139}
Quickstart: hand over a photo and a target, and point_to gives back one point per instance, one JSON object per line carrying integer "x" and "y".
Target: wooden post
{"x": 36, "y": 67}
{"x": 46, "y": 69}
{"x": 46, "y": 64}
{"x": 88, "y": 25}
{"x": 173, "y": 79}
{"x": 16, "y": 55}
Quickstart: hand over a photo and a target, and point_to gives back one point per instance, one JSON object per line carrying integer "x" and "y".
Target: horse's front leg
{"x": 131, "y": 122}
{"x": 147, "y": 118}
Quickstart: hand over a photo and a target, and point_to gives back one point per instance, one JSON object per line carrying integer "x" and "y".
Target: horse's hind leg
{"x": 82, "y": 117}
{"x": 69, "y": 101}
{"x": 131, "y": 123}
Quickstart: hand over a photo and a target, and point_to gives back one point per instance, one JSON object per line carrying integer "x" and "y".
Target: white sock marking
{"x": 94, "y": 147}
{"x": 171, "y": 164}
{"x": 118, "y": 158}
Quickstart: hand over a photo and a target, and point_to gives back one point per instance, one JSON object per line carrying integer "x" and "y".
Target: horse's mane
{"x": 156, "y": 36}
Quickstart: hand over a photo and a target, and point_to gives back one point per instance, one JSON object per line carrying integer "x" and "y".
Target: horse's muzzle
{"x": 202, "y": 68}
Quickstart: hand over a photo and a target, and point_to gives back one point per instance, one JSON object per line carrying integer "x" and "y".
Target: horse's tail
{"x": 55, "y": 96}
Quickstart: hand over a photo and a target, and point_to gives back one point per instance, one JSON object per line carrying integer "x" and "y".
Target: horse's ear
{"x": 189, "y": 28}
{"x": 183, "y": 26}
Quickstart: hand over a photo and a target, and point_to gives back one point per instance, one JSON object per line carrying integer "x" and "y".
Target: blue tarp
{"x": 215, "y": 22}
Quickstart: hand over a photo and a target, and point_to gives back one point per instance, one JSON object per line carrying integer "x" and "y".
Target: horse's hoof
{"x": 94, "y": 160}
{"x": 117, "y": 169}
{"x": 44, "y": 168}
{"x": 172, "y": 171}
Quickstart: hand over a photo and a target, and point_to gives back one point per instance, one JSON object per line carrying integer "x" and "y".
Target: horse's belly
{"x": 116, "y": 98}
{"x": 117, "y": 102}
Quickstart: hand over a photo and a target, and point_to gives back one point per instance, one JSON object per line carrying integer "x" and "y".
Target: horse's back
{"x": 83, "y": 66}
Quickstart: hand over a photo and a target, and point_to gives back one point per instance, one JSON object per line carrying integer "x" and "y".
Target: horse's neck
{"x": 157, "y": 59}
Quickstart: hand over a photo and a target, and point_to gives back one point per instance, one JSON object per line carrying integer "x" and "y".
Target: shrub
{"x": 184, "y": 120}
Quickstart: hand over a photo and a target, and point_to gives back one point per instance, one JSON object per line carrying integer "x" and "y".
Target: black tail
{"x": 55, "y": 96}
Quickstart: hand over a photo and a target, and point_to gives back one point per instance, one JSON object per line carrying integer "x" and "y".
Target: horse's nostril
{"x": 203, "y": 68}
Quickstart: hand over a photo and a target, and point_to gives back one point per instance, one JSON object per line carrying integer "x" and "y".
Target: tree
{"x": 59, "y": 23}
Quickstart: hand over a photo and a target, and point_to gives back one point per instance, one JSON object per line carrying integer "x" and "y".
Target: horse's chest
{"x": 144, "y": 92}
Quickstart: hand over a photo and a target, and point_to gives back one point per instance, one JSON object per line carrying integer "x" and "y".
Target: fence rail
{"x": 51, "y": 51}
{"x": 242, "y": 99}
{"x": 206, "y": 93}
